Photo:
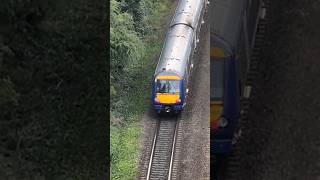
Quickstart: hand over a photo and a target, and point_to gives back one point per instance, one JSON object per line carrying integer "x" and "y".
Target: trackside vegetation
{"x": 52, "y": 94}
{"x": 136, "y": 36}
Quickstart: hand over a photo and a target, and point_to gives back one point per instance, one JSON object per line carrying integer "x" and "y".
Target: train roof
{"x": 226, "y": 19}
{"x": 188, "y": 12}
{"x": 176, "y": 50}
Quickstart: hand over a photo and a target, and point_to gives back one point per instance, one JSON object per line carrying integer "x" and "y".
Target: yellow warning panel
{"x": 217, "y": 52}
{"x": 168, "y": 78}
{"x": 216, "y": 110}
{"x": 167, "y": 98}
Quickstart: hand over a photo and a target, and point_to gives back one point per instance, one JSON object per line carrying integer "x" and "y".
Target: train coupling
{"x": 167, "y": 109}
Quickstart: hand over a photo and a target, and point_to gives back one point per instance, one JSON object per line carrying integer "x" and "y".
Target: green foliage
{"x": 130, "y": 53}
{"x": 153, "y": 9}
{"x": 134, "y": 8}
{"x": 126, "y": 48}
{"x": 50, "y": 73}
{"x": 7, "y": 93}
{"x": 133, "y": 59}
{"x": 124, "y": 148}
{"x": 30, "y": 11}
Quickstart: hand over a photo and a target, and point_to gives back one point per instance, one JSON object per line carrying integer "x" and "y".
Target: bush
{"x": 52, "y": 103}
{"x": 134, "y": 51}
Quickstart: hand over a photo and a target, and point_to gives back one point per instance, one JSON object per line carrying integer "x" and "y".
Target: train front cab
{"x": 224, "y": 97}
{"x": 168, "y": 93}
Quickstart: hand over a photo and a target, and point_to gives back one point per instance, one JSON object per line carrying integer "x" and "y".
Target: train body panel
{"x": 227, "y": 20}
{"x": 174, "y": 66}
{"x": 189, "y": 13}
{"x": 232, "y": 32}
{"x": 176, "y": 50}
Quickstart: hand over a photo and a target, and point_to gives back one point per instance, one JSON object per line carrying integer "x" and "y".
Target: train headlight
{"x": 223, "y": 122}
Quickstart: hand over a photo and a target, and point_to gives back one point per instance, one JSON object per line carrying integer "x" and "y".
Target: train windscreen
{"x": 168, "y": 86}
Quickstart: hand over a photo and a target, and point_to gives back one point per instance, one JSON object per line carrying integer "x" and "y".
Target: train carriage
{"x": 232, "y": 31}
{"x": 170, "y": 82}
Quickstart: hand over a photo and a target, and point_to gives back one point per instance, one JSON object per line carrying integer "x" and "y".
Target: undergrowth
{"x": 131, "y": 90}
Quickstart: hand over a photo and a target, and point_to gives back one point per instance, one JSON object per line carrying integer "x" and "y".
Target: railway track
{"x": 230, "y": 167}
{"x": 163, "y": 149}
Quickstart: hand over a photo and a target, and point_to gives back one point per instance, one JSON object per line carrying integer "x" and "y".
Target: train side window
{"x": 216, "y": 79}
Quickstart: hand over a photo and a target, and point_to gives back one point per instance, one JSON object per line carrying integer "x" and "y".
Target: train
{"x": 176, "y": 61}
{"x": 233, "y": 25}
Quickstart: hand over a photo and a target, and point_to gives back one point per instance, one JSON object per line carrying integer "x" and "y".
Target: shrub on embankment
{"x": 136, "y": 39}
{"x": 52, "y": 93}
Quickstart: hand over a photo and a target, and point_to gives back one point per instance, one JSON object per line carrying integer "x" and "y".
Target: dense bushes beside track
{"x": 133, "y": 30}
{"x": 137, "y": 29}
{"x": 52, "y": 89}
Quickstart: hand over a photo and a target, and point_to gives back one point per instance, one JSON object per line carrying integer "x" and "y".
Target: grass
{"x": 125, "y": 118}
{"x": 124, "y": 151}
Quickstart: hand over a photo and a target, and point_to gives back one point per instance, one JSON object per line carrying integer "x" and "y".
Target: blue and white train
{"x": 170, "y": 82}
{"x": 233, "y": 25}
